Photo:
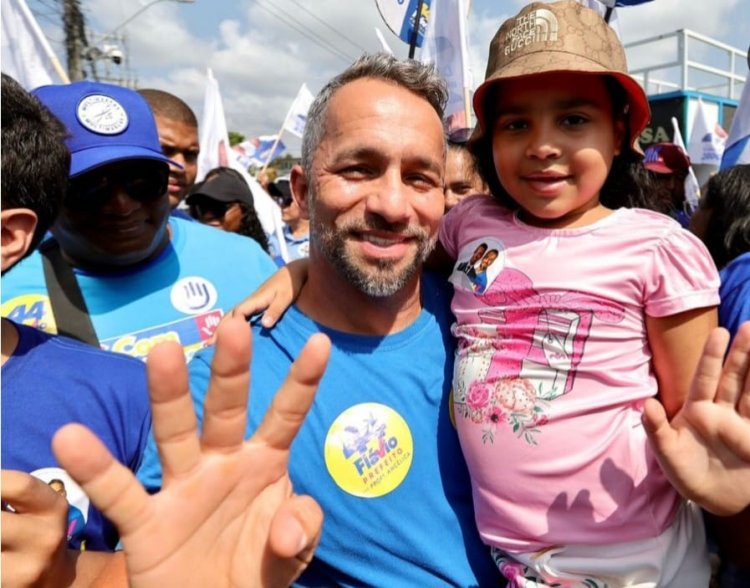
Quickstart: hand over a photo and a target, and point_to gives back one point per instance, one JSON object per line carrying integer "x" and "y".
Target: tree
{"x": 235, "y": 138}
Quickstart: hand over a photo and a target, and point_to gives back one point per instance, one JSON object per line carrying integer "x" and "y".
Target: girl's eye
{"x": 514, "y": 125}
{"x": 573, "y": 120}
{"x": 510, "y": 123}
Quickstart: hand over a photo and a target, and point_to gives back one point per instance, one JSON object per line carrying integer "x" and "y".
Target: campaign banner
{"x": 446, "y": 47}
{"x": 296, "y": 118}
{"x": 707, "y": 138}
{"x": 259, "y": 150}
{"x": 401, "y": 15}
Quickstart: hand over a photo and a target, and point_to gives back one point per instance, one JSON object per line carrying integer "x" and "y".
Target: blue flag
{"x": 401, "y": 18}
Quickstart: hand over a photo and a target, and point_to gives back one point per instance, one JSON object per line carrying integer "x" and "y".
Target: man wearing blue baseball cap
{"x": 51, "y": 381}
{"x": 119, "y": 272}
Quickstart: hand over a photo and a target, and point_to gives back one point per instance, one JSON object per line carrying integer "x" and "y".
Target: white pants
{"x": 677, "y": 558}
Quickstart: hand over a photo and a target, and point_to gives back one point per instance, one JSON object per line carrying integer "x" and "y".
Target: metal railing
{"x": 684, "y": 66}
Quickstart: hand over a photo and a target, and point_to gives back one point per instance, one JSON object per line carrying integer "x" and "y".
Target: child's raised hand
{"x": 705, "y": 449}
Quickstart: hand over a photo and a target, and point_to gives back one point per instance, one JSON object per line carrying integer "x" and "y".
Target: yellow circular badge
{"x": 33, "y": 310}
{"x": 369, "y": 450}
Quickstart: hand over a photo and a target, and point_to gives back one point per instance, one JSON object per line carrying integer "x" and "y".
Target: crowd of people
{"x": 494, "y": 359}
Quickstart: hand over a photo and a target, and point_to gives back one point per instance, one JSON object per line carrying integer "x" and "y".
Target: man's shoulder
{"x": 194, "y": 239}
{"x": 88, "y": 361}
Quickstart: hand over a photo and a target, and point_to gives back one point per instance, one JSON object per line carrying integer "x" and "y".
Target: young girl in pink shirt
{"x": 591, "y": 307}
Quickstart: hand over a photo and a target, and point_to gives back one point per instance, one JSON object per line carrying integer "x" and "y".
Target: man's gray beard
{"x": 379, "y": 282}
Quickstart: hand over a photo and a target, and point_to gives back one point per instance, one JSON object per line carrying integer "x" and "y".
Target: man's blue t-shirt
{"x": 179, "y": 296}
{"x": 377, "y": 451}
{"x": 51, "y": 381}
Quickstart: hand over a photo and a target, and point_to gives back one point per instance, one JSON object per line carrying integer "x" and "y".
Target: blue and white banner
{"x": 445, "y": 45}
{"x": 260, "y": 150}
{"x": 401, "y": 16}
{"x": 296, "y": 118}
{"x": 737, "y": 149}
{"x": 707, "y": 138}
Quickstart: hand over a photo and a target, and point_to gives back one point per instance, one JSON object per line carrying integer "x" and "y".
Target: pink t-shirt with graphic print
{"x": 553, "y": 367}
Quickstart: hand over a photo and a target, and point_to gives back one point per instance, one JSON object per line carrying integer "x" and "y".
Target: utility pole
{"x": 75, "y": 38}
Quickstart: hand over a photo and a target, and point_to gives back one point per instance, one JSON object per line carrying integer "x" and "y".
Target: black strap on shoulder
{"x": 65, "y": 297}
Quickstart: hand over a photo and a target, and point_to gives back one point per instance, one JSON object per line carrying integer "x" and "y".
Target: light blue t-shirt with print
{"x": 180, "y": 295}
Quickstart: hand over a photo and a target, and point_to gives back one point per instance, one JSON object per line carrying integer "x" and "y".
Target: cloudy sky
{"x": 261, "y": 51}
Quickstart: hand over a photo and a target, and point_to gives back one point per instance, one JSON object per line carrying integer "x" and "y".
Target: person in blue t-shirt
{"x": 723, "y": 223}
{"x": 296, "y": 229}
{"x": 133, "y": 276}
{"x": 50, "y": 381}
{"x": 179, "y": 536}
{"x": 378, "y": 450}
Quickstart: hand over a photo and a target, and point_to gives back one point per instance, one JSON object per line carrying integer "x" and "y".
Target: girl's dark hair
{"x": 628, "y": 184}
{"x": 250, "y": 226}
{"x": 728, "y": 198}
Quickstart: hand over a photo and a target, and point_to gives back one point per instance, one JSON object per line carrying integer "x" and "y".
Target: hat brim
{"x": 659, "y": 168}
{"x": 211, "y": 195}
{"x": 639, "y": 112}
{"x": 89, "y": 159}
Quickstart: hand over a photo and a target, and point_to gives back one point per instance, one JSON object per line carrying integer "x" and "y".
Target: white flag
{"x": 707, "y": 138}
{"x": 215, "y": 152}
{"x": 692, "y": 187}
{"x": 26, "y": 54}
{"x": 738, "y": 143}
{"x": 445, "y": 46}
{"x": 296, "y": 118}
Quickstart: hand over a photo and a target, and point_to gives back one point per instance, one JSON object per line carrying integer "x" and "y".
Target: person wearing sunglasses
{"x": 119, "y": 272}
{"x": 461, "y": 174}
{"x": 296, "y": 228}
{"x": 224, "y": 200}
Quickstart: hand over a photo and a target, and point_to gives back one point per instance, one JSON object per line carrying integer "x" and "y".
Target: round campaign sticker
{"x": 32, "y": 310}
{"x": 193, "y": 295}
{"x": 102, "y": 114}
{"x": 369, "y": 450}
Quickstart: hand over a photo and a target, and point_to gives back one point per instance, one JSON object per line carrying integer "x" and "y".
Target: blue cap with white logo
{"x": 106, "y": 123}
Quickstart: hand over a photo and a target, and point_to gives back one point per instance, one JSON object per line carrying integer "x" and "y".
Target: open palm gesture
{"x": 226, "y": 515}
{"x": 705, "y": 449}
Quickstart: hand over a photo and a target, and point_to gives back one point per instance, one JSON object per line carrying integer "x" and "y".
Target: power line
{"x": 306, "y": 32}
{"x": 328, "y": 26}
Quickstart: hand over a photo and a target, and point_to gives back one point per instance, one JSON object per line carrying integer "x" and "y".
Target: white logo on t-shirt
{"x": 193, "y": 295}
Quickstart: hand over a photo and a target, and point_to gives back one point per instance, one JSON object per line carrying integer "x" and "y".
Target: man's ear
{"x": 300, "y": 190}
{"x": 18, "y": 226}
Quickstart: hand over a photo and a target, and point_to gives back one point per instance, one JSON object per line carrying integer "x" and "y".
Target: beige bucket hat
{"x": 559, "y": 36}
